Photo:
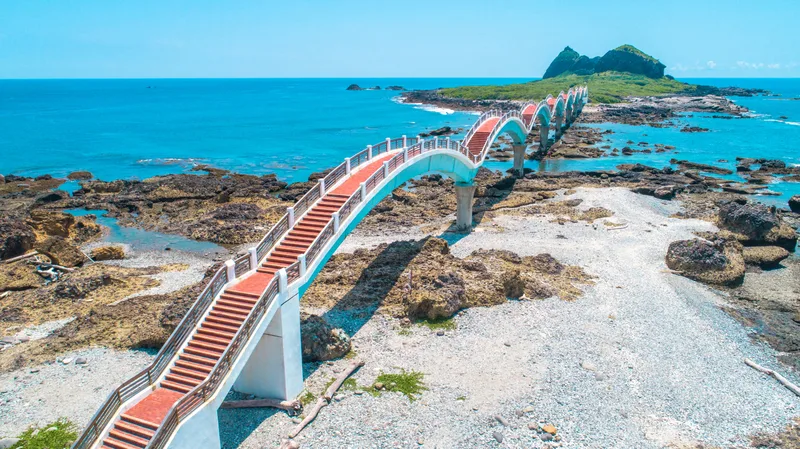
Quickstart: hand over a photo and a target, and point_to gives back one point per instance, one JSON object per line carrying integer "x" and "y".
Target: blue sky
{"x": 381, "y": 38}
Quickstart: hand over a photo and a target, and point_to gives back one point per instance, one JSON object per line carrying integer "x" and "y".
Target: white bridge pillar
{"x": 519, "y": 159}
{"x": 465, "y": 193}
{"x": 275, "y": 368}
{"x": 544, "y": 137}
{"x": 559, "y": 124}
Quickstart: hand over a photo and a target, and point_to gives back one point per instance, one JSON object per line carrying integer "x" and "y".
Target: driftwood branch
{"x": 784, "y": 381}
{"x": 326, "y": 398}
{"x": 24, "y": 256}
{"x": 293, "y": 407}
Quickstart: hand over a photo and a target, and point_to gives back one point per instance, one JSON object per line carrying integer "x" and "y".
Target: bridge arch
{"x": 261, "y": 353}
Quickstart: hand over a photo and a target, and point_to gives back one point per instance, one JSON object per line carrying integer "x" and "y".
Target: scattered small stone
{"x": 507, "y": 344}
{"x": 66, "y": 360}
{"x": 501, "y": 420}
{"x": 296, "y": 420}
{"x": 81, "y": 361}
{"x": 546, "y": 437}
{"x": 34, "y": 370}
{"x": 338, "y": 398}
{"x": 549, "y": 428}
{"x": 420, "y": 441}
{"x": 600, "y": 377}
{"x": 533, "y": 425}
{"x": 527, "y": 409}
{"x": 440, "y": 332}
{"x": 24, "y": 338}
{"x": 588, "y": 366}
{"x": 379, "y": 386}
{"x": 498, "y": 436}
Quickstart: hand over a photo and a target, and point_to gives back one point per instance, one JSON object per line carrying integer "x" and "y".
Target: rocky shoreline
{"x": 742, "y": 250}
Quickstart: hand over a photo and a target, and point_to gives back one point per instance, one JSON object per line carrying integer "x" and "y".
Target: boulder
{"x": 354, "y": 87}
{"x": 111, "y": 252}
{"x": 794, "y": 204}
{"x": 756, "y": 224}
{"x": 752, "y": 220}
{"x": 322, "y": 342}
{"x": 80, "y": 176}
{"x": 720, "y": 262}
{"x": 16, "y": 238}
{"x": 51, "y": 222}
{"x": 447, "y": 297}
{"x": 765, "y": 256}
{"x": 61, "y": 252}
{"x": 51, "y": 197}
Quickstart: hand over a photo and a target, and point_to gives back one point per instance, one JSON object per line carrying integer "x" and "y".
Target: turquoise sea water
{"x": 292, "y": 127}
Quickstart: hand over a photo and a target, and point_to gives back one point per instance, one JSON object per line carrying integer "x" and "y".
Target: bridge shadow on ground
{"x": 358, "y": 306}
{"x": 240, "y": 423}
{"x": 360, "y": 303}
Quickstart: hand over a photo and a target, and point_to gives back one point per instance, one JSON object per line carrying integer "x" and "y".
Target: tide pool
{"x": 141, "y": 240}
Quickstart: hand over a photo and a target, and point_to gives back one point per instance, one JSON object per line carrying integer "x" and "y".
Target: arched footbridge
{"x": 243, "y": 332}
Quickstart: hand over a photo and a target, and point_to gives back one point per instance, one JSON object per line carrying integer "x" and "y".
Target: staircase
{"x": 303, "y": 233}
{"x": 199, "y": 354}
{"x": 478, "y": 140}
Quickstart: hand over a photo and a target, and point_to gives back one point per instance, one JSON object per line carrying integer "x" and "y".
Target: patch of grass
{"x": 57, "y": 435}
{"x": 407, "y": 382}
{"x": 447, "y": 324}
{"x": 404, "y": 332}
{"x": 350, "y": 355}
{"x": 461, "y": 398}
{"x": 307, "y": 398}
{"x": 605, "y": 87}
{"x": 349, "y": 384}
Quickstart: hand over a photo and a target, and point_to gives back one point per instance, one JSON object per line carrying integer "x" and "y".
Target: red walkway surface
{"x": 137, "y": 426}
{"x": 478, "y": 140}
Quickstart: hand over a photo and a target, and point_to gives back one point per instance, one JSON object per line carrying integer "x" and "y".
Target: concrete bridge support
{"x": 544, "y": 137}
{"x": 275, "y": 368}
{"x": 465, "y": 193}
{"x": 519, "y": 159}
{"x": 559, "y": 125}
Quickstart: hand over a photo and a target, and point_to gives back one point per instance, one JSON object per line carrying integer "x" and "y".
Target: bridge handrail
{"x": 193, "y": 399}
{"x": 508, "y": 115}
{"x": 243, "y": 264}
{"x": 137, "y": 384}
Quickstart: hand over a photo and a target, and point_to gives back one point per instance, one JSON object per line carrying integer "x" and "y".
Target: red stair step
{"x": 128, "y": 438}
{"x": 176, "y": 387}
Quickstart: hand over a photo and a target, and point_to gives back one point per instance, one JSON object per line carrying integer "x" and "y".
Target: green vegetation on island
{"x": 622, "y": 72}
{"x": 606, "y": 87}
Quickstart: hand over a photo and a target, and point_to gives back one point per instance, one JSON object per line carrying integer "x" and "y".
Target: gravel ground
{"x": 644, "y": 360}
{"x": 172, "y": 280}
{"x": 42, "y": 394}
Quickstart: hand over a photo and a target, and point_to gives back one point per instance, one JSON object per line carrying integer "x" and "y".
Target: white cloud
{"x": 774, "y": 66}
{"x": 750, "y": 65}
{"x": 711, "y": 64}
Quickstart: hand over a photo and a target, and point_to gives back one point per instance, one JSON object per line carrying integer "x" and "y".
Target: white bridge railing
{"x": 406, "y": 148}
